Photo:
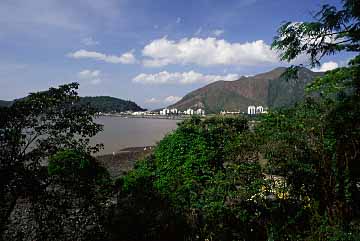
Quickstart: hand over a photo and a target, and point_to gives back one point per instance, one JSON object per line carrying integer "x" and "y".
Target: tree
{"x": 333, "y": 31}
{"x": 198, "y": 173}
{"x": 34, "y": 130}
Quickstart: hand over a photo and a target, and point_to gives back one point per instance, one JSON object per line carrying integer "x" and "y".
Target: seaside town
{"x": 176, "y": 113}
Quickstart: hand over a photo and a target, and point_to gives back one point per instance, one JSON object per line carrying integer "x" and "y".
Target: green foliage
{"x": 141, "y": 212}
{"x": 296, "y": 176}
{"x": 79, "y": 170}
{"x": 324, "y": 158}
{"x": 51, "y": 127}
{"x": 205, "y": 187}
{"x": 66, "y": 162}
{"x": 188, "y": 159}
{"x": 333, "y": 31}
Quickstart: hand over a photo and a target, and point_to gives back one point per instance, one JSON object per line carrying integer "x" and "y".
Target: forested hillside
{"x": 110, "y": 104}
{"x": 101, "y": 104}
{"x": 268, "y": 89}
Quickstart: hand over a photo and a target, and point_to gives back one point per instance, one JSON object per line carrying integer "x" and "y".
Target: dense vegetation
{"x": 293, "y": 174}
{"x": 61, "y": 201}
{"x": 110, "y": 104}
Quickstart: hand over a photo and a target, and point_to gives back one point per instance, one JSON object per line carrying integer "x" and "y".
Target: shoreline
{"x": 121, "y": 162}
{"x": 125, "y": 116}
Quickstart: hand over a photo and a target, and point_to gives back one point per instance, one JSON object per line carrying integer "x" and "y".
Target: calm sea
{"x": 120, "y": 132}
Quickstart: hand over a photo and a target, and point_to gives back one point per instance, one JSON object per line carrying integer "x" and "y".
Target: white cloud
{"x": 89, "y": 41}
{"x": 218, "y": 32}
{"x": 92, "y": 76}
{"x": 172, "y": 99}
{"x": 178, "y": 20}
{"x": 190, "y": 77}
{"x": 95, "y": 81}
{"x": 327, "y": 66}
{"x": 207, "y": 52}
{"x": 167, "y": 100}
{"x": 86, "y": 73}
{"x": 126, "y": 58}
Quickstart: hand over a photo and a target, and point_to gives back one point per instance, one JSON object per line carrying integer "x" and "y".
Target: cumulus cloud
{"x": 327, "y": 66}
{"x": 86, "y": 73}
{"x": 126, "y": 58}
{"x": 167, "y": 100}
{"x": 207, "y": 52}
{"x": 178, "y": 20}
{"x": 92, "y": 76}
{"x": 218, "y": 32}
{"x": 89, "y": 41}
{"x": 190, "y": 77}
{"x": 172, "y": 99}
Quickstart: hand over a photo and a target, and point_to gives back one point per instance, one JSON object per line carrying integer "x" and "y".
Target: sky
{"x": 152, "y": 52}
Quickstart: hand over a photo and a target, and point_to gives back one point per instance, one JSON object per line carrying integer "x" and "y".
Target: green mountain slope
{"x": 101, "y": 104}
{"x": 110, "y": 104}
{"x": 267, "y": 89}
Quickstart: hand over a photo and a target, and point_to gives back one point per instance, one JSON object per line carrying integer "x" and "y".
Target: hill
{"x": 110, "y": 104}
{"x": 101, "y": 104}
{"x": 266, "y": 89}
{"x": 5, "y": 103}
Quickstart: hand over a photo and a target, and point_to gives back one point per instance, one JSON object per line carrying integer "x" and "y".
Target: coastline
{"x": 121, "y": 162}
{"x": 127, "y": 116}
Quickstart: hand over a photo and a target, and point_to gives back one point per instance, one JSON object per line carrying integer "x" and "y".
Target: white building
{"x": 189, "y": 112}
{"x": 139, "y": 113}
{"x": 259, "y": 109}
{"x": 165, "y": 111}
{"x": 200, "y": 112}
{"x": 174, "y": 111}
{"x": 251, "y": 110}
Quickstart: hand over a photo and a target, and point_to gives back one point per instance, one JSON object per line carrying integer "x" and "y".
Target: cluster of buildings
{"x": 175, "y": 111}
{"x": 253, "y": 110}
{"x": 225, "y": 112}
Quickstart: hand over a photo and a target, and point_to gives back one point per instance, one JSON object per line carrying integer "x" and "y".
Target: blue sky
{"x": 150, "y": 51}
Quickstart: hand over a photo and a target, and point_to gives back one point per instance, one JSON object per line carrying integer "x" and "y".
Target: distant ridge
{"x": 110, "y": 104}
{"x": 5, "y": 103}
{"x": 267, "y": 89}
{"x": 101, "y": 104}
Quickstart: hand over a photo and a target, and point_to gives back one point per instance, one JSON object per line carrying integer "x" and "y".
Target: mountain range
{"x": 5, "y": 103}
{"x": 268, "y": 89}
{"x": 101, "y": 104}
